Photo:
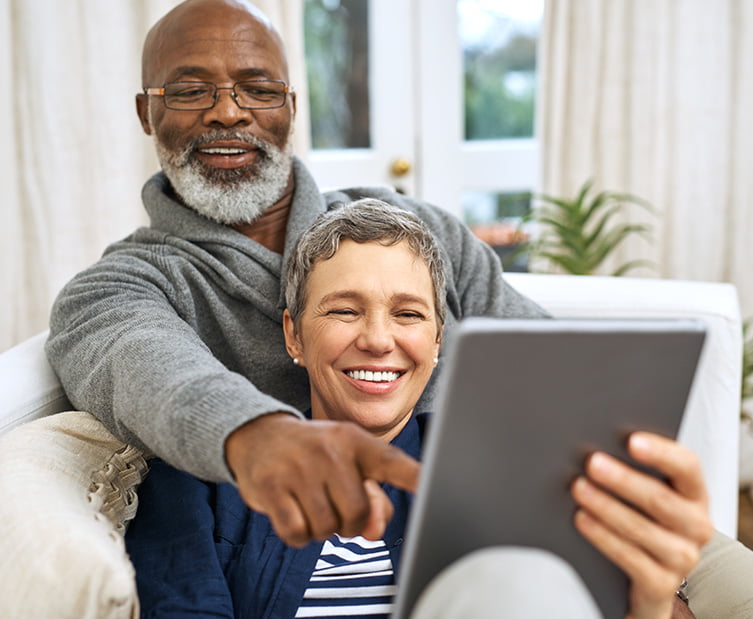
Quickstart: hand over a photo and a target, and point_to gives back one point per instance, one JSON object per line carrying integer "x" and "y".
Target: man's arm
{"x": 123, "y": 353}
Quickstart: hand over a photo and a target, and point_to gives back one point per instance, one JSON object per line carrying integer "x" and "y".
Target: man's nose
{"x": 226, "y": 111}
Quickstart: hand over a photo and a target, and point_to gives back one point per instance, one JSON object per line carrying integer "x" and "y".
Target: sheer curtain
{"x": 655, "y": 97}
{"x": 73, "y": 157}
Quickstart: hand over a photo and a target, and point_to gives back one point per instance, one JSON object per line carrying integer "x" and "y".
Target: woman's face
{"x": 368, "y": 335}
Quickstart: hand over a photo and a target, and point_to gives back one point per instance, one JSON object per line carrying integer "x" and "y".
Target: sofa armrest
{"x": 68, "y": 488}
{"x": 29, "y": 386}
{"x": 711, "y": 424}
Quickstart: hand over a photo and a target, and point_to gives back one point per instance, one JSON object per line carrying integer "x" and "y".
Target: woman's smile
{"x": 376, "y": 382}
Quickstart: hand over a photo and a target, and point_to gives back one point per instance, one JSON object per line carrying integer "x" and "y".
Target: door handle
{"x": 400, "y": 167}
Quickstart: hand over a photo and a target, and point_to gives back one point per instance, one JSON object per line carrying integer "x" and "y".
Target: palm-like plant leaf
{"x": 633, "y": 264}
{"x": 579, "y": 234}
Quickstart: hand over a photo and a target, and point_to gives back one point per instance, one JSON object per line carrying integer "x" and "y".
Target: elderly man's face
{"x": 226, "y": 162}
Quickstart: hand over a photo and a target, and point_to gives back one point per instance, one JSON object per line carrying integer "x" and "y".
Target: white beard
{"x": 229, "y": 197}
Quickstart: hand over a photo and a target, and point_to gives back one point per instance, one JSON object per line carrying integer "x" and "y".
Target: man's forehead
{"x": 211, "y": 32}
{"x": 201, "y": 38}
{"x": 236, "y": 26}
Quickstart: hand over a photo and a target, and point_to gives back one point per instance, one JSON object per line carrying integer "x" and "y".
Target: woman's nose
{"x": 376, "y": 337}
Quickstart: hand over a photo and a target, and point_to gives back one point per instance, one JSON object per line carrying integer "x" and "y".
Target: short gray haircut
{"x": 363, "y": 221}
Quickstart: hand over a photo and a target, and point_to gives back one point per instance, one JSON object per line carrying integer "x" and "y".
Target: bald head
{"x": 228, "y": 20}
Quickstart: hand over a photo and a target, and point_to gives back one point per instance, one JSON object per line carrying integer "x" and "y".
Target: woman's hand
{"x": 656, "y": 539}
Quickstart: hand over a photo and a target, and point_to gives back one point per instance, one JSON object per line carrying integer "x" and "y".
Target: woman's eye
{"x": 410, "y": 315}
{"x": 342, "y": 312}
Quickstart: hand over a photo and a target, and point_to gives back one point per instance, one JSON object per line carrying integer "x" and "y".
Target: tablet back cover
{"x": 521, "y": 405}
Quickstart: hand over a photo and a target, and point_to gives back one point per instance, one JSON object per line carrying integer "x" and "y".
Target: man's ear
{"x": 292, "y": 344}
{"x": 142, "y": 109}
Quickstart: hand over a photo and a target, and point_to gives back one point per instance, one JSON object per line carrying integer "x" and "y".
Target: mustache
{"x": 183, "y": 156}
{"x": 234, "y": 135}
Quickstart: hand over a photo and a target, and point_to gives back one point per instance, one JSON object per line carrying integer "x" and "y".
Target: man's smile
{"x": 227, "y": 154}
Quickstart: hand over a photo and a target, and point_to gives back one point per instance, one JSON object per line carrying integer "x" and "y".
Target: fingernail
{"x": 581, "y": 486}
{"x": 600, "y": 463}
{"x": 640, "y": 444}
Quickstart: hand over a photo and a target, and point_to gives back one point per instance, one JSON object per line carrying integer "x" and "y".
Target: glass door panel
{"x": 360, "y": 75}
{"x": 499, "y": 40}
{"x": 337, "y": 61}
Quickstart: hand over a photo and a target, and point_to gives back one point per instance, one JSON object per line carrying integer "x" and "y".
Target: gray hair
{"x": 363, "y": 221}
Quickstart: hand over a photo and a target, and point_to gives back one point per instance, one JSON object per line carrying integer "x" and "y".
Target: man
{"x": 173, "y": 339}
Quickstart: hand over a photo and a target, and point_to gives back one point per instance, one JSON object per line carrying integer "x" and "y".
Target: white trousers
{"x": 509, "y": 582}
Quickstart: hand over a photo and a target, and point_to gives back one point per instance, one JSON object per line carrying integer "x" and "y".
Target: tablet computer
{"x": 520, "y": 405}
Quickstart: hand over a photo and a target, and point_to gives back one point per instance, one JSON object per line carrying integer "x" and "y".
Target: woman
{"x": 365, "y": 297}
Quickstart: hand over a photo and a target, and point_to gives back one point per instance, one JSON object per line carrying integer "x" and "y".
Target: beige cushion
{"x": 67, "y": 488}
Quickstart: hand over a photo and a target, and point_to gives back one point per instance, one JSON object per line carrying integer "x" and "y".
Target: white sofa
{"x": 30, "y": 391}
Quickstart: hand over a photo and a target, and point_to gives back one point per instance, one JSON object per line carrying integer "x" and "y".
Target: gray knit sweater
{"x": 174, "y": 339}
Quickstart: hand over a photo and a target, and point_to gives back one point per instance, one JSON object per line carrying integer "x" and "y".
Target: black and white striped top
{"x": 352, "y": 578}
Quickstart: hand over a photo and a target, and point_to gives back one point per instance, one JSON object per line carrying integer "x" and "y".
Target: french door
{"x": 414, "y": 82}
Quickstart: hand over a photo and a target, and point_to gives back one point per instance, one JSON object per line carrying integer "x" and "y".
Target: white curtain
{"x": 655, "y": 97}
{"x": 73, "y": 157}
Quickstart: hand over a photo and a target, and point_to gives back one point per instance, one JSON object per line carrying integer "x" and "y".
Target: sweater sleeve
{"x": 125, "y": 354}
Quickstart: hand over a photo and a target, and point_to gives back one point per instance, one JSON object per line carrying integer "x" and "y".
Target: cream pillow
{"x": 67, "y": 489}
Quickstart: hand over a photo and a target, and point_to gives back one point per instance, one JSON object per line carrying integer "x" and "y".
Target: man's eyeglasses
{"x": 251, "y": 95}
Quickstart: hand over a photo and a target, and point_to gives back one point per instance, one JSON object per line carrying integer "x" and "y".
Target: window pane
{"x": 496, "y": 219}
{"x": 499, "y": 39}
{"x": 337, "y": 61}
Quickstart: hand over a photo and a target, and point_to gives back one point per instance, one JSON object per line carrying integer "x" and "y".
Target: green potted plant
{"x": 578, "y": 234}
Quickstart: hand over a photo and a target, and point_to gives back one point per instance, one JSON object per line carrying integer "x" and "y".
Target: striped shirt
{"x": 352, "y": 578}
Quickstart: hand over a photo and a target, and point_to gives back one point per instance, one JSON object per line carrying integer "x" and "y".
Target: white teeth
{"x": 223, "y": 151}
{"x": 374, "y": 377}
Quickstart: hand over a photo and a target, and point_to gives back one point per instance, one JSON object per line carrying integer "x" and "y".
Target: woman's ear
{"x": 292, "y": 345}
{"x": 438, "y": 344}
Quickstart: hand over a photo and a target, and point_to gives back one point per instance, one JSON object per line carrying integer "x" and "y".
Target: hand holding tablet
{"x": 523, "y": 405}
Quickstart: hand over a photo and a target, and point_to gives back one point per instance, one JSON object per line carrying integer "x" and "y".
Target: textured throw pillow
{"x": 67, "y": 490}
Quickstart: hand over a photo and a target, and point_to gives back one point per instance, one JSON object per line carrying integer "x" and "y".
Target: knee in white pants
{"x": 507, "y": 582}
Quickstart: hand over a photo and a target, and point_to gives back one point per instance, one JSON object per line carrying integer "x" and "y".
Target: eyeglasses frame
{"x": 160, "y": 92}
